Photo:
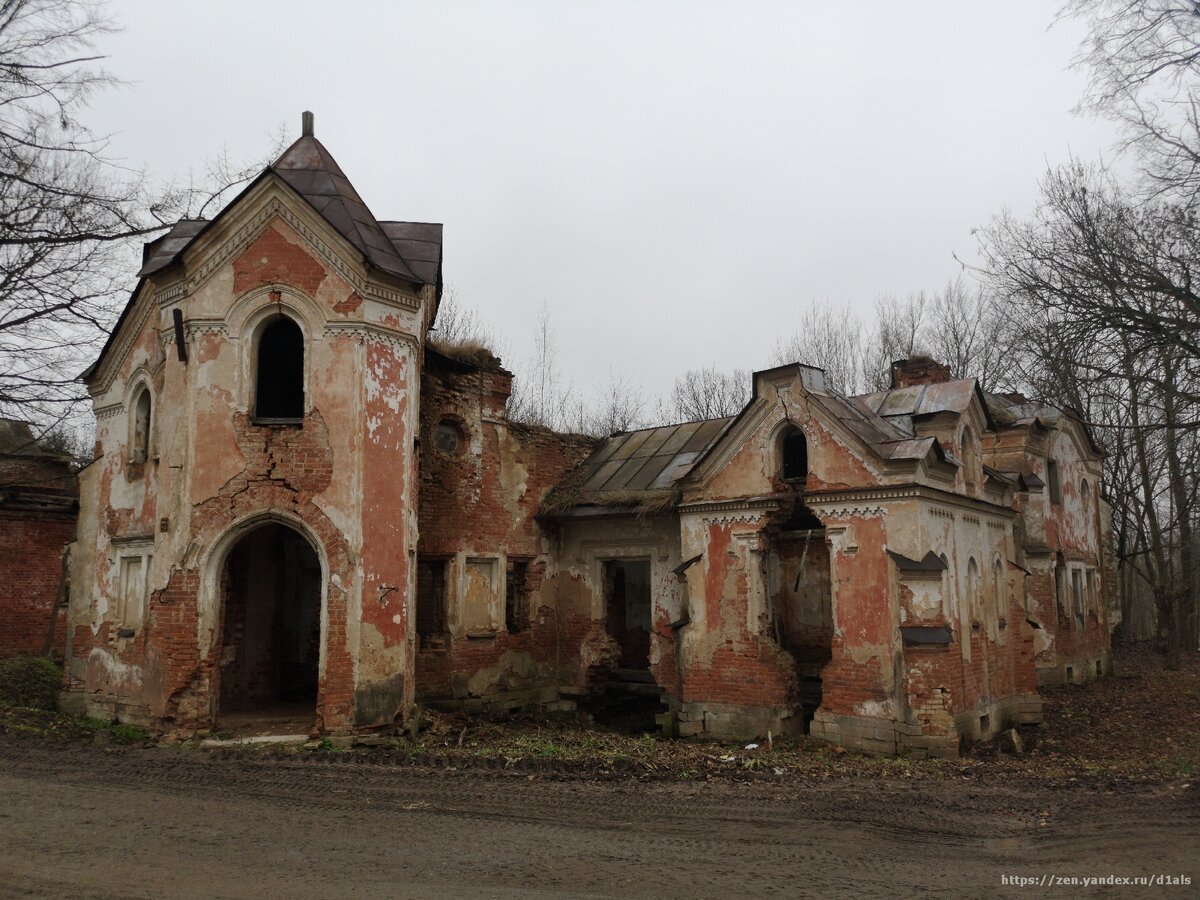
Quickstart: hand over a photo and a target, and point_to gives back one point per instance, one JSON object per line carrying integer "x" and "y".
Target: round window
{"x": 446, "y": 437}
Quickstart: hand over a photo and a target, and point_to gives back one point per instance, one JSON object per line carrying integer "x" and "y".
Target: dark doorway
{"x": 803, "y": 619}
{"x": 271, "y": 627}
{"x": 280, "y": 375}
{"x": 627, "y": 613}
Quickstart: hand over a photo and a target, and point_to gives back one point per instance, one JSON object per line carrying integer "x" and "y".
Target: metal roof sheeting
{"x": 650, "y": 459}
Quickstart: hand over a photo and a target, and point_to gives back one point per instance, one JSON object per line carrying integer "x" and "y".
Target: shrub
{"x": 30, "y": 681}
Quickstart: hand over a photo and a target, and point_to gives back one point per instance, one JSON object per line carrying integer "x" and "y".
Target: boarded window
{"x": 131, "y": 612}
{"x": 795, "y": 456}
{"x": 1053, "y": 482}
{"x": 480, "y": 596}
{"x": 280, "y": 381}
{"x": 516, "y": 600}
{"x": 431, "y": 599}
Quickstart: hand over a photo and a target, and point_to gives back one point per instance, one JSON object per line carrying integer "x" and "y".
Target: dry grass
{"x": 567, "y": 497}
{"x": 469, "y": 351}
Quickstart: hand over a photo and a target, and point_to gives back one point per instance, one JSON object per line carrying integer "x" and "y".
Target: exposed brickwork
{"x": 37, "y": 522}
{"x": 271, "y": 259}
{"x": 919, "y": 370}
{"x": 31, "y": 550}
{"x": 479, "y": 496}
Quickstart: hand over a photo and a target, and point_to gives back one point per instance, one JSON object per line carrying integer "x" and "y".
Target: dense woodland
{"x": 1090, "y": 301}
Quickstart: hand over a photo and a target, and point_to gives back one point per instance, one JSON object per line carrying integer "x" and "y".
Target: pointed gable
{"x": 309, "y": 169}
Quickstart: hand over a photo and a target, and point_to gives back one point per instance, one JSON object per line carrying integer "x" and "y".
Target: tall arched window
{"x": 280, "y": 371}
{"x": 795, "y": 455}
{"x": 973, "y": 595}
{"x": 139, "y": 437}
{"x": 1001, "y": 603}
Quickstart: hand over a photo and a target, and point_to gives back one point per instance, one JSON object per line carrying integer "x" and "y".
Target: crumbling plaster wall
{"x": 1074, "y": 533}
{"x": 213, "y": 471}
{"x": 482, "y": 483}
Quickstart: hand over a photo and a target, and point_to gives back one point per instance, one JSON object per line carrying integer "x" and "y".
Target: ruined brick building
{"x": 298, "y": 501}
{"x": 38, "y": 503}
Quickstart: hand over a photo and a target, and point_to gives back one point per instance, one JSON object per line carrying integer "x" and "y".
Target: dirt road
{"x": 93, "y": 822}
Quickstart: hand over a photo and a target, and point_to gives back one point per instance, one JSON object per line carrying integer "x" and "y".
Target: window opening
{"x": 1053, "y": 481}
{"x": 516, "y": 606}
{"x": 795, "y": 456}
{"x": 1077, "y": 597}
{"x": 280, "y": 381}
{"x": 140, "y": 444}
{"x": 431, "y": 600}
{"x": 446, "y": 437}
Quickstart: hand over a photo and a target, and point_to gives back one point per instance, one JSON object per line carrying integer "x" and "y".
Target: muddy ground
{"x": 541, "y": 808}
{"x": 84, "y": 821}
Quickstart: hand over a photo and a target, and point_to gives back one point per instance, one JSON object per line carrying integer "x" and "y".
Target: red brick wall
{"x": 467, "y": 504}
{"x": 31, "y": 549}
{"x": 37, "y": 521}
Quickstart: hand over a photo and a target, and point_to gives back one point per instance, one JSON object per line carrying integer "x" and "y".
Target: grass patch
{"x": 31, "y": 682}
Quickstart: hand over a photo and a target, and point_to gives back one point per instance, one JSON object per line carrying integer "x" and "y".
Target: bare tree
{"x": 707, "y": 393}
{"x": 68, "y": 213}
{"x": 1099, "y": 290}
{"x": 621, "y": 406}
{"x": 966, "y": 333}
{"x": 830, "y": 338}
{"x": 1143, "y": 57}
{"x": 542, "y": 394}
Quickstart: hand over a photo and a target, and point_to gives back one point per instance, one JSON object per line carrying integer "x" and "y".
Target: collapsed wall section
{"x": 488, "y": 626}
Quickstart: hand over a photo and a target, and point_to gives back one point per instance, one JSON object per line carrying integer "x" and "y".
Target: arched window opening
{"x": 139, "y": 442}
{"x": 973, "y": 595}
{"x": 280, "y": 375}
{"x": 948, "y": 605}
{"x": 1001, "y": 603}
{"x": 970, "y": 460}
{"x": 795, "y": 456}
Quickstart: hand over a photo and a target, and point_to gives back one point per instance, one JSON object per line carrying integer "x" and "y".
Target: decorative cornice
{"x": 727, "y": 511}
{"x": 364, "y": 330}
{"x": 107, "y": 412}
{"x": 910, "y": 492}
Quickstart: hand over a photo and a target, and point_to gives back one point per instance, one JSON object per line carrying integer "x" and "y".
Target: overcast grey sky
{"x": 674, "y": 179}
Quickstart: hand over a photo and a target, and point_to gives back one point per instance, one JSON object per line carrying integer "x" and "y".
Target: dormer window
{"x": 139, "y": 433}
{"x": 795, "y": 456}
{"x": 279, "y": 396}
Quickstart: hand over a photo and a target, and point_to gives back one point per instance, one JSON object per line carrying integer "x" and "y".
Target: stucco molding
{"x": 108, "y": 411}
{"x": 912, "y": 492}
{"x": 751, "y": 509}
{"x": 364, "y": 331}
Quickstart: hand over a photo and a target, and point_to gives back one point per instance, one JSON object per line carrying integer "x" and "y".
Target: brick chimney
{"x": 918, "y": 370}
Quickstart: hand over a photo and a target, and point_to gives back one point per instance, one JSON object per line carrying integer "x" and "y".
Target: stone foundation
{"x": 1082, "y": 670}
{"x": 884, "y": 737}
{"x": 720, "y": 721}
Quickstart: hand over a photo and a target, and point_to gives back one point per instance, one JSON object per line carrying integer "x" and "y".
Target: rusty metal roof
{"x": 650, "y": 459}
{"x": 409, "y": 250}
{"x": 314, "y": 174}
{"x": 902, "y": 405}
{"x": 420, "y": 243}
{"x": 160, "y": 253}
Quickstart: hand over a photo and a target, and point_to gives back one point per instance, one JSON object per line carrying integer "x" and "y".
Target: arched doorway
{"x": 270, "y": 627}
